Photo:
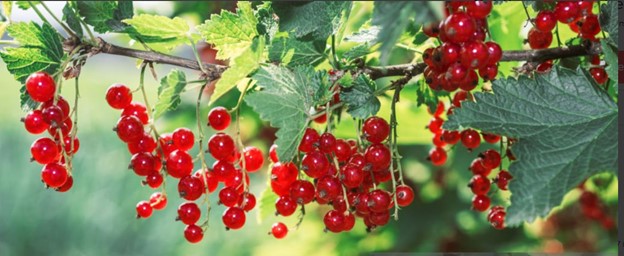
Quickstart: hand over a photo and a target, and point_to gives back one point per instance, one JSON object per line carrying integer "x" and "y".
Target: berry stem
{"x": 67, "y": 30}
{"x": 204, "y": 166}
{"x": 557, "y": 34}
{"x": 526, "y": 11}
{"x": 43, "y": 18}
{"x": 197, "y": 58}
{"x": 333, "y": 49}
{"x": 394, "y": 150}
{"x": 239, "y": 140}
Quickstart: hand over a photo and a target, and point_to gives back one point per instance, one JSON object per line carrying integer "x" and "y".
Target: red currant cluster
{"x": 481, "y": 167}
{"x": 53, "y": 115}
{"x": 344, "y": 174}
{"x": 593, "y": 208}
{"x": 579, "y": 16}
{"x": 455, "y": 63}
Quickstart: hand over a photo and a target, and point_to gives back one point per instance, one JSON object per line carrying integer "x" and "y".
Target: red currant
{"x": 158, "y": 201}
{"x": 208, "y": 180}
{"x": 190, "y": 188}
{"x": 118, "y": 96}
{"x": 221, "y": 146}
{"x": 474, "y": 54}
{"x": 545, "y": 21}
{"x": 477, "y": 167}
{"x": 439, "y": 109}
{"x": 253, "y": 159}
{"x": 327, "y": 143}
{"x": 379, "y": 200}
{"x": 33, "y": 122}
{"x": 315, "y": 164}
{"x": 284, "y": 174}
{"x": 566, "y": 12}
{"x": 223, "y": 171}
{"x": 54, "y": 175}
{"x": 285, "y": 206}
{"x": 279, "y": 230}
{"x": 219, "y": 118}
{"x": 143, "y": 163}
{"x": 302, "y": 191}
{"x": 309, "y": 141}
{"x": 459, "y": 27}
{"x": 599, "y": 74}
{"x": 129, "y": 129}
{"x": 189, "y": 213}
{"x": 228, "y": 196}
{"x": 470, "y": 139}
{"x": 489, "y": 72}
{"x": 273, "y": 153}
{"x": 247, "y": 201}
{"x": 431, "y": 29}
{"x": 450, "y": 137}
{"x": 53, "y": 115}
{"x": 61, "y": 103}
{"x": 491, "y": 158}
{"x": 479, "y": 9}
{"x": 405, "y": 195}
{"x": 193, "y": 233}
{"x": 378, "y": 155}
{"x": 343, "y": 150}
{"x": 40, "y": 86}
{"x": 137, "y": 110}
{"x": 479, "y": 184}
{"x": 480, "y": 203}
{"x": 437, "y": 156}
{"x": 145, "y": 144}
{"x": 67, "y": 185}
{"x": 538, "y": 39}
{"x": 352, "y": 176}
{"x": 144, "y": 210}
{"x": 179, "y": 164}
{"x": 334, "y": 221}
{"x": 45, "y": 151}
{"x": 490, "y": 138}
{"x": 183, "y": 139}
{"x": 328, "y": 188}
{"x": 502, "y": 179}
{"x": 375, "y": 129}
{"x": 234, "y": 218}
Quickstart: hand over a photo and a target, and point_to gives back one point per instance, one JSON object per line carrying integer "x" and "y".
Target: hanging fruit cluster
{"x": 53, "y": 115}
{"x": 579, "y": 16}
{"x": 342, "y": 173}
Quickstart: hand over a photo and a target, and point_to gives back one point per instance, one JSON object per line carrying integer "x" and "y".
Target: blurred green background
{"x": 97, "y": 216}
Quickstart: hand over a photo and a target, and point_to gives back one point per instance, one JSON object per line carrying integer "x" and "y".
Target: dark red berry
{"x": 118, "y": 96}
{"x": 474, "y": 54}
{"x": 479, "y": 9}
{"x": 223, "y": 171}
{"x": 190, "y": 188}
{"x": 327, "y": 143}
{"x": 45, "y": 151}
{"x": 302, "y": 191}
{"x": 208, "y": 179}
{"x": 33, "y": 122}
{"x": 279, "y": 230}
{"x": 315, "y": 164}
{"x": 566, "y": 11}
{"x": 284, "y": 174}
{"x": 538, "y": 39}
{"x": 137, "y": 110}
{"x": 158, "y": 201}
{"x": 490, "y": 138}
{"x": 221, "y": 146}
{"x": 54, "y": 175}
{"x": 53, "y": 115}
{"x": 145, "y": 144}
{"x": 193, "y": 233}
{"x": 183, "y": 139}
{"x": 219, "y": 118}
{"x": 228, "y": 196}
{"x": 40, "y": 86}
{"x": 334, "y": 221}
{"x": 459, "y": 27}
{"x": 405, "y": 195}
{"x": 489, "y": 72}
{"x": 477, "y": 167}
{"x": 285, "y": 206}
{"x": 450, "y": 137}
{"x": 502, "y": 179}
{"x": 67, "y": 185}
{"x": 437, "y": 156}
{"x": 342, "y": 150}
{"x": 375, "y": 129}
{"x": 129, "y": 129}
{"x": 234, "y": 218}
{"x": 179, "y": 164}
{"x": 599, "y": 74}
{"x": 379, "y": 200}
{"x": 491, "y": 158}
{"x": 189, "y": 213}
{"x": 352, "y": 176}
{"x": 253, "y": 159}
{"x": 273, "y": 153}
{"x": 247, "y": 201}
{"x": 545, "y": 21}
{"x": 154, "y": 179}
{"x": 495, "y": 53}
{"x": 143, "y": 163}
{"x": 144, "y": 209}
{"x": 480, "y": 203}
{"x": 378, "y": 155}
{"x": 479, "y": 185}
{"x": 328, "y": 188}
{"x": 470, "y": 139}
{"x": 309, "y": 141}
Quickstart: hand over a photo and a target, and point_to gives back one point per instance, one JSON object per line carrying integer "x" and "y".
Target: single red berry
{"x": 144, "y": 210}
{"x": 285, "y": 206}
{"x": 437, "y": 156}
{"x": 479, "y": 184}
{"x": 253, "y": 159}
{"x": 470, "y": 81}
{"x": 328, "y": 188}
{"x": 498, "y": 219}
{"x": 309, "y": 141}
{"x": 327, "y": 143}
{"x": 491, "y": 158}
{"x": 53, "y": 115}
{"x": 143, "y": 163}
{"x": 459, "y": 27}
{"x": 349, "y": 222}
{"x": 470, "y": 139}
{"x": 190, "y": 188}
{"x": 54, "y": 175}
{"x": 334, "y": 221}
{"x": 279, "y": 230}
{"x": 599, "y": 74}
{"x": 352, "y": 176}
{"x": 302, "y": 191}
{"x": 477, "y": 167}
{"x": 450, "y": 137}
{"x": 70, "y": 146}
{"x": 189, "y": 213}
{"x": 321, "y": 119}
{"x": 490, "y": 138}
{"x": 495, "y": 53}
{"x": 378, "y": 155}
{"x": 193, "y": 233}
{"x": 479, "y": 9}
{"x": 375, "y": 129}
{"x": 544, "y": 66}
{"x": 166, "y": 144}
{"x": 247, "y": 201}
{"x": 158, "y": 201}
{"x": 545, "y": 21}
{"x": 183, "y": 139}
{"x": 437, "y": 140}
{"x": 118, "y": 96}
{"x": 223, "y": 171}
{"x": 502, "y": 179}
{"x": 40, "y": 86}
{"x": 67, "y": 185}
{"x": 405, "y": 195}
{"x": 474, "y": 54}
{"x": 137, "y": 110}
{"x": 315, "y": 164}
{"x": 179, "y": 164}
{"x": 380, "y": 218}
{"x": 538, "y": 39}
{"x": 154, "y": 179}
{"x": 566, "y": 11}
{"x": 45, "y": 151}
{"x": 379, "y": 200}
{"x": 129, "y": 129}
{"x": 145, "y": 144}
{"x": 221, "y": 146}
{"x": 343, "y": 150}
{"x": 273, "y": 153}
{"x": 33, "y": 122}
{"x": 284, "y": 173}
{"x": 461, "y": 96}
{"x": 219, "y": 118}
{"x": 61, "y": 103}
{"x": 489, "y": 72}
{"x": 456, "y": 72}
{"x": 480, "y": 203}
{"x": 234, "y": 218}
{"x": 228, "y": 196}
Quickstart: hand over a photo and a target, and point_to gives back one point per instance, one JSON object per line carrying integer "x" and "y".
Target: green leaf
{"x": 420, "y": 38}
{"x": 293, "y": 52}
{"x": 24, "y": 5}
{"x": 316, "y": 19}
{"x": 97, "y": 13}
{"x": 609, "y": 20}
{"x": 266, "y": 204}
{"x": 125, "y": 10}
{"x": 611, "y": 58}
{"x": 367, "y": 35}
{"x": 426, "y": 96}
{"x": 566, "y": 127}
{"x": 360, "y": 98}
{"x": 72, "y": 19}
{"x": 392, "y": 19}
{"x": 267, "y": 24}
{"x": 241, "y": 66}
{"x": 3, "y": 27}
{"x": 26, "y": 102}
{"x": 284, "y": 101}
{"x": 169, "y": 92}
{"x": 230, "y": 33}
{"x": 156, "y": 28}
{"x": 346, "y": 81}
{"x": 357, "y": 52}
